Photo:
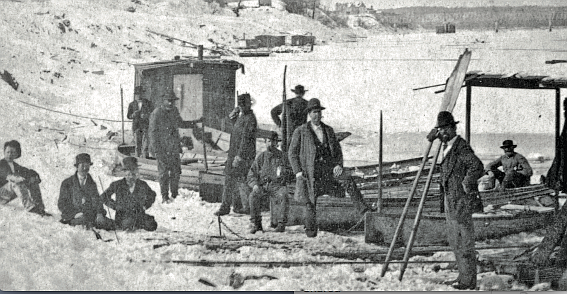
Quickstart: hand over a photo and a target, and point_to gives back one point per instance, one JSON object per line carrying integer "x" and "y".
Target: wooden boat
{"x": 334, "y": 213}
{"x": 508, "y": 219}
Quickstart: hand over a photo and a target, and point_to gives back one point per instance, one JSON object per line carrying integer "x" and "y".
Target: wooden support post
{"x": 122, "y": 112}
{"x": 380, "y": 167}
{"x": 468, "y": 114}
{"x": 496, "y": 26}
{"x": 550, "y": 20}
{"x": 558, "y": 155}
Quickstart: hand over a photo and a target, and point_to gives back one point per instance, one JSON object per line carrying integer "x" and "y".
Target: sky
{"x": 388, "y": 4}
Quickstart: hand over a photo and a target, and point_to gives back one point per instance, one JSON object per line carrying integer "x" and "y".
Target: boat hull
{"x": 380, "y": 227}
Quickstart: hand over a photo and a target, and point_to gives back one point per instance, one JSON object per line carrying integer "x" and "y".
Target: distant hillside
{"x": 475, "y": 17}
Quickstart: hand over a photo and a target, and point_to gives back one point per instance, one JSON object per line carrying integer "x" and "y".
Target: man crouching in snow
{"x": 16, "y": 180}
{"x": 79, "y": 200}
{"x": 133, "y": 198}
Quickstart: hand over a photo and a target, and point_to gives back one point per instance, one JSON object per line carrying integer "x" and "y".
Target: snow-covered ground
{"x": 74, "y": 56}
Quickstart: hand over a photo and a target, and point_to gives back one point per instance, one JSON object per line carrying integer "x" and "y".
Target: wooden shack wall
{"x": 218, "y": 89}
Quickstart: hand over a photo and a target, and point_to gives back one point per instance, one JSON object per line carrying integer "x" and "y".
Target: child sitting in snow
{"x": 133, "y": 198}
{"x": 16, "y": 180}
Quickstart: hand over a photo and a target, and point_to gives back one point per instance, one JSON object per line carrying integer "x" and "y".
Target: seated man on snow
{"x": 16, "y": 180}
{"x": 79, "y": 201}
{"x": 516, "y": 169}
{"x": 133, "y": 198}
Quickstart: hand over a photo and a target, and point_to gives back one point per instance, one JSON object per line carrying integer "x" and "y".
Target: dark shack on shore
{"x": 205, "y": 88}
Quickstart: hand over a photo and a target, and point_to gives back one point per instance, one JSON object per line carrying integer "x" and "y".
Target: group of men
{"x": 81, "y": 204}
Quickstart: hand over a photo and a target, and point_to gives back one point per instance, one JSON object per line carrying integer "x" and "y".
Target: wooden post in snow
{"x": 122, "y": 111}
{"x": 496, "y": 26}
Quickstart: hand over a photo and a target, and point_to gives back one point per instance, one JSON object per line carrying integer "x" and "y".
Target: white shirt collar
{"x": 449, "y": 146}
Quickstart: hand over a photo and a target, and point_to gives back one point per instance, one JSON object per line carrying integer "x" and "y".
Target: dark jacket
{"x": 264, "y": 168}
{"x": 141, "y": 119}
{"x": 19, "y": 170}
{"x": 164, "y": 131}
{"x": 126, "y": 203}
{"x": 461, "y": 167}
{"x": 74, "y": 199}
{"x": 242, "y": 144}
{"x": 296, "y": 116}
{"x": 302, "y": 151}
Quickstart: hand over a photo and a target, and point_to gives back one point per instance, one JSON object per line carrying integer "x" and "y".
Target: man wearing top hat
{"x": 268, "y": 177}
{"x": 517, "y": 171}
{"x": 316, "y": 159}
{"x": 460, "y": 170}
{"x": 133, "y": 198}
{"x": 165, "y": 144}
{"x": 79, "y": 201}
{"x": 241, "y": 154}
{"x": 296, "y": 111}
{"x": 139, "y": 112}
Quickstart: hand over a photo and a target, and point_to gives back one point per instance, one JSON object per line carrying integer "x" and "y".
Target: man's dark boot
{"x": 222, "y": 211}
{"x": 280, "y": 228}
{"x": 256, "y": 226}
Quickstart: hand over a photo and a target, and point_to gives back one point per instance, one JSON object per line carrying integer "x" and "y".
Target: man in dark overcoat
{"x": 316, "y": 158}
{"x": 133, "y": 198}
{"x": 79, "y": 201}
{"x": 241, "y": 154}
{"x": 268, "y": 177}
{"x": 296, "y": 112}
{"x": 165, "y": 144}
{"x": 139, "y": 112}
{"x": 460, "y": 170}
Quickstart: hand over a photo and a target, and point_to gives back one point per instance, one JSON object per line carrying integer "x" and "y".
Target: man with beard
{"x": 517, "y": 171}
{"x": 165, "y": 144}
{"x": 79, "y": 201}
{"x": 139, "y": 112}
{"x": 296, "y": 112}
{"x": 133, "y": 198}
{"x": 316, "y": 159}
{"x": 268, "y": 177}
{"x": 460, "y": 170}
{"x": 241, "y": 154}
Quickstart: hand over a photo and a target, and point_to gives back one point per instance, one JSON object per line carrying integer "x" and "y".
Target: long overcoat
{"x": 242, "y": 144}
{"x": 141, "y": 119}
{"x": 128, "y": 204}
{"x": 163, "y": 132}
{"x": 461, "y": 167}
{"x": 74, "y": 199}
{"x": 301, "y": 153}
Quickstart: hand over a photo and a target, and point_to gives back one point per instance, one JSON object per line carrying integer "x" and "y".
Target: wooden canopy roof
{"x": 517, "y": 81}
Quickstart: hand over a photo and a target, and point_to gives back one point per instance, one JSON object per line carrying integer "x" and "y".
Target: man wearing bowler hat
{"x": 295, "y": 109}
{"x": 79, "y": 201}
{"x": 139, "y": 112}
{"x": 517, "y": 171}
{"x": 460, "y": 170}
{"x": 241, "y": 154}
{"x": 316, "y": 159}
{"x": 133, "y": 198}
{"x": 165, "y": 144}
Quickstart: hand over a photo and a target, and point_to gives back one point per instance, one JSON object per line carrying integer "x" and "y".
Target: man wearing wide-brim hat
{"x": 79, "y": 200}
{"x": 165, "y": 144}
{"x": 241, "y": 154}
{"x": 133, "y": 198}
{"x": 139, "y": 112}
{"x": 295, "y": 112}
{"x": 316, "y": 158}
{"x": 268, "y": 177}
{"x": 460, "y": 171}
{"x": 516, "y": 172}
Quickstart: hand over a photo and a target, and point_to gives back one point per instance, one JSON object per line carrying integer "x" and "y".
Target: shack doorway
{"x": 189, "y": 88}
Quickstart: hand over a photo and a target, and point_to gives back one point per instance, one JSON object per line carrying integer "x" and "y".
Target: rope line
{"x": 61, "y": 112}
